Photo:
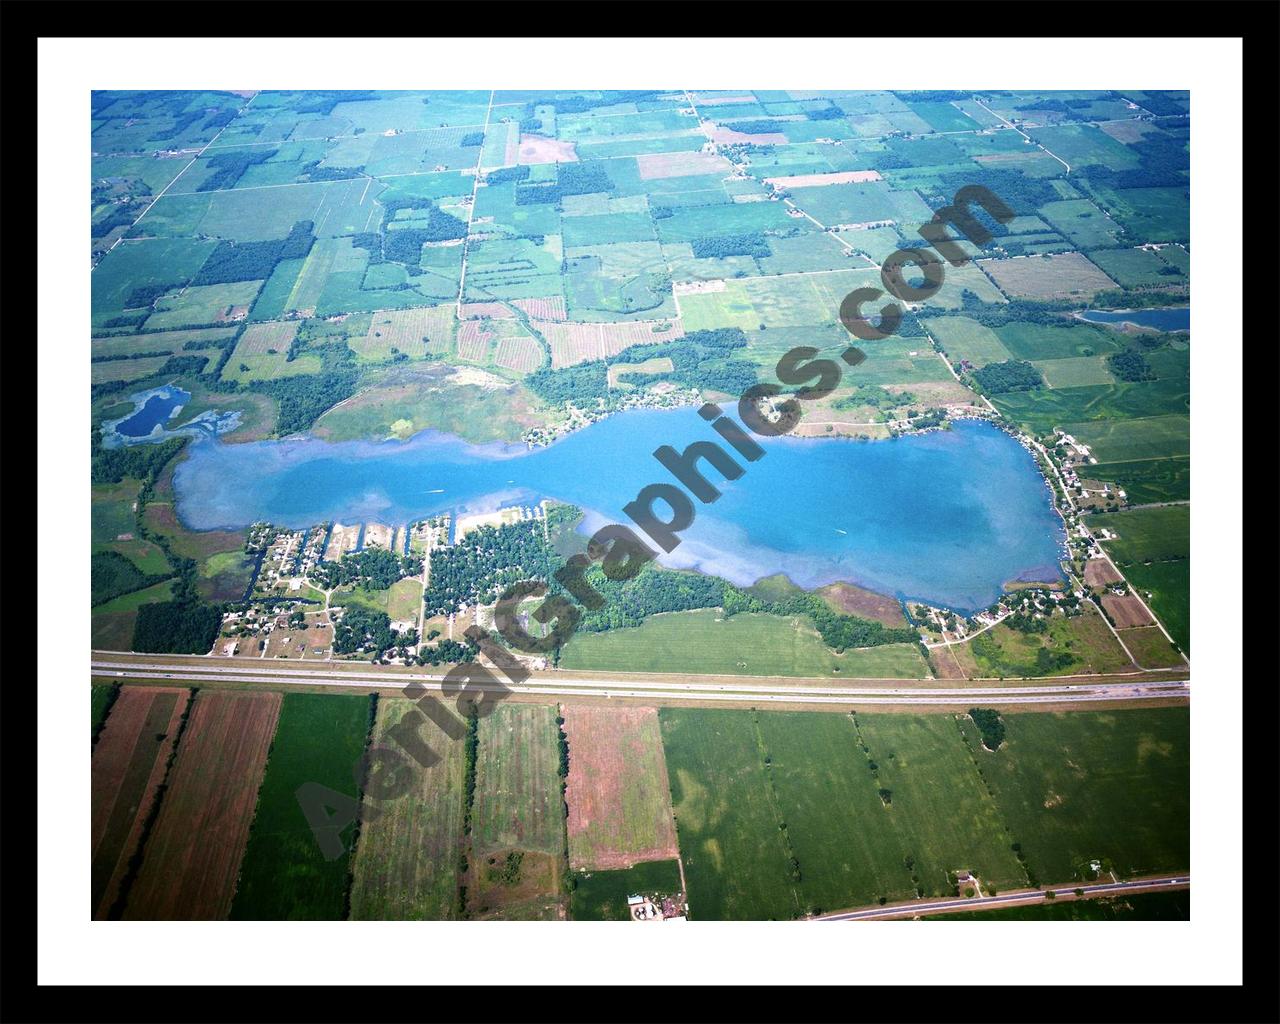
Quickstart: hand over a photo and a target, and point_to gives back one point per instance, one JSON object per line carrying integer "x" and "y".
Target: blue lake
{"x": 155, "y": 411}
{"x": 947, "y": 517}
{"x": 1169, "y": 318}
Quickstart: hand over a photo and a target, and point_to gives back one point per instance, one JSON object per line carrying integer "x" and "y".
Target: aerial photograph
{"x": 643, "y": 506}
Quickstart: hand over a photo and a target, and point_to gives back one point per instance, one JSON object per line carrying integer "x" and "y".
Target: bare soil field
{"x": 1059, "y": 276}
{"x": 534, "y": 149}
{"x": 1126, "y": 611}
{"x": 722, "y": 134}
{"x": 953, "y": 662}
{"x": 681, "y": 165}
{"x": 128, "y": 768}
{"x": 618, "y": 794}
{"x": 1098, "y": 572}
{"x": 828, "y": 178}
{"x": 341, "y": 540}
{"x": 867, "y": 604}
{"x": 377, "y": 535}
{"x": 193, "y": 855}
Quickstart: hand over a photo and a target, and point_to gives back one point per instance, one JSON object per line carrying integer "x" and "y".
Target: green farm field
{"x": 921, "y": 801}
{"x": 284, "y": 875}
{"x": 1148, "y": 481}
{"x": 1111, "y": 786}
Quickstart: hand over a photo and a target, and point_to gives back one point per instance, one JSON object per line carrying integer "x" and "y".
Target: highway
{"x": 323, "y": 675}
{"x": 987, "y": 902}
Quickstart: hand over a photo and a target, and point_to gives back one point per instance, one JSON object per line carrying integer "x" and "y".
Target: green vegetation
{"x": 602, "y": 895}
{"x": 101, "y": 697}
{"x": 989, "y": 726}
{"x": 111, "y": 574}
{"x": 1130, "y": 365}
{"x": 284, "y": 875}
{"x": 1010, "y": 375}
{"x": 751, "y": 643}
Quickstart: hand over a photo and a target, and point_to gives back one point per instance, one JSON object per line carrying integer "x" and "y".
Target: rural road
{"x": 988, "y": 902}
{"x": 322, "y": 674}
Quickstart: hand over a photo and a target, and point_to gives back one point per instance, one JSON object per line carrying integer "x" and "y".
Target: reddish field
{"x": 579, "y": 343}
{"x": 520, "y": 354}
{"x": 845, "y": 597}
{"x": 1126, "y": 611}
{"x": 826, "y": 178}
{"x": 492, "y": 310}
{"x": 474, "y": 340}
{"x": 534, "y": 149}
{"x": 128, "y": 767}
{"x": 193, "y": 856}
{"x": 681, "y": 164}
{"x": 1098, "y": 573}
{"x": 728, "y": 135}
{"x": 618, "y": 795}
{"x": 544, "y": 309}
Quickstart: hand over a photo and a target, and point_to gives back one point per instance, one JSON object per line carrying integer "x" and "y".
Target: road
{"x": 989, "y": 902}
{"x": 320, "y": 674}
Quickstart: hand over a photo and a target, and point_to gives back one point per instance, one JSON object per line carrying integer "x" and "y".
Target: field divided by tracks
{"x": 192, "y": 857}
{"x": 130, "y": 761}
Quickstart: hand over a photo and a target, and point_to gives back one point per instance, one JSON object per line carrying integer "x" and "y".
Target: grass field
{"x": 1130, "y": 420}
{"x": 965, "y": 339}
{"x": 1150, "y": 647}
{"x": 284, "y": 875}
{"x": 602, "y": 895}
{"x": 517, "y": 799}
{"x": 1135, "y": 440}
{"x": 1111, "y": 786}
{"x": 618, "y": 795}
{"x": 1010, "y": 654}
{"x": 264, "y": 350}
{"x": 946, "y": 817}
{"x": 406, "y": 864}
{"x": 1146, "y": 534}
{"x": 704, "y": 643}
{"x": 401, "y": 601}
{"x": 192, "y": 858}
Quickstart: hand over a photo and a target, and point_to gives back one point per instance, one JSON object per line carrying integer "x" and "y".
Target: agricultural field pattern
{"x": 364, "y": 361}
